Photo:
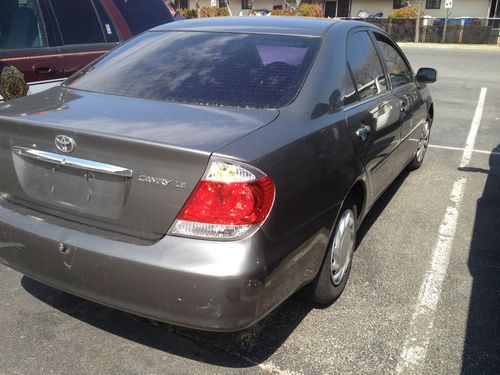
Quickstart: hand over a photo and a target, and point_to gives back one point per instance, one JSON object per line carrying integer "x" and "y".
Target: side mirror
{"x": 427, "y": 75}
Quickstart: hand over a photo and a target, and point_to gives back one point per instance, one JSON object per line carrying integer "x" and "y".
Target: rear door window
{"x": 78, "y": 22}
{"x": 142, "y": 15}
{"x": 21, "y": 25}
{"x": 398, "y": 70}
{"x": 365, "y": 65}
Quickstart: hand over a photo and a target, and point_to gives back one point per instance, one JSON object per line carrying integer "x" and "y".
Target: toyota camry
{"x": 206, "y": 170}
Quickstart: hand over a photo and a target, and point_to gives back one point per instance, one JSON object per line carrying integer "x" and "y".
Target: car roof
{"x": 303, "y": 26}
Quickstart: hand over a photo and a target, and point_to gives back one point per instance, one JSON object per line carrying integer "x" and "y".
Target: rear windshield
{"x": 228, "y": 69}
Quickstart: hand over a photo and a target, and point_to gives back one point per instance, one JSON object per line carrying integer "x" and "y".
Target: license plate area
{"x": 72, "y": 189}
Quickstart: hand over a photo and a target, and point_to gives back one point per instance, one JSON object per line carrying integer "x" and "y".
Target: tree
{"x": 416, "y": 7}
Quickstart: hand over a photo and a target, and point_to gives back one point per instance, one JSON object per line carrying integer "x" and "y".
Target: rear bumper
{"x": 199, "y": 284}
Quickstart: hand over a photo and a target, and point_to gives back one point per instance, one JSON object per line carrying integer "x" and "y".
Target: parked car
{"x": 51, "y": 39}
{"x": 205, "y": 187}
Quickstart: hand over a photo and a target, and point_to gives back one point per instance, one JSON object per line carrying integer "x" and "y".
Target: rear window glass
{"x": 229, "y": 69}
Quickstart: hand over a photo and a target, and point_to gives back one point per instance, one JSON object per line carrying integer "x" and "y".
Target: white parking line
{"x": 463, "y": 149}
{"x": 415, "y": 347}
{"x": 476, "y": 121}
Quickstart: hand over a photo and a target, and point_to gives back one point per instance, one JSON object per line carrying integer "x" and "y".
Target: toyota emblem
{"x": 65, "y": 144}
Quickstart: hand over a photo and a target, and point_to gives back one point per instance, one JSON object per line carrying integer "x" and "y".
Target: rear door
{"x": 86, "y": 32}
{"x": 28, "y": 40}
{"x": 372, "y": 112}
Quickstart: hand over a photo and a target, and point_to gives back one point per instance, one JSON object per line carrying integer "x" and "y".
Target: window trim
{"x": 433, "y": 4}
{"x": 246, "y": 4}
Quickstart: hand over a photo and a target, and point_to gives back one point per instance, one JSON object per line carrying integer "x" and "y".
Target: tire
{"x": 330, "y": 283}
{"x": 418, "y": 159}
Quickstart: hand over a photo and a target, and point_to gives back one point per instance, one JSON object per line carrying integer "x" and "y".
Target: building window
{"x": 182, "y": 4}
{"x": 433, "y": 4}
{"x": 222, "y": 3}
{"x": 399, "y": 4}
{"x": 246, "y": 4}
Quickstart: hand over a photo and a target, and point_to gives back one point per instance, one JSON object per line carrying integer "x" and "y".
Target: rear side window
{"x": 241, "y": 70}
{"x": 399, "y": 72}
{"x": 365, "y": 65}
{"x": 78, "y": 22}
{"x": 21, "y": 25}
{"x": 142, "y": 15}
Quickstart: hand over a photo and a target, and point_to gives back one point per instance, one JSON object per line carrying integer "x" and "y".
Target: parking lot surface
{"x": 423, "y": 296}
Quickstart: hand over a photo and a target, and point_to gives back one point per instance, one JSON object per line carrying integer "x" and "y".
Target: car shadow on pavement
{"x": 481, "y": 353}
{"x": 242, "y": 349}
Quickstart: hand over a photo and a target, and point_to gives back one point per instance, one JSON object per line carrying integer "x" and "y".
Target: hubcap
{"x": 423, "y": 143}
{"x": 342, "y": 246}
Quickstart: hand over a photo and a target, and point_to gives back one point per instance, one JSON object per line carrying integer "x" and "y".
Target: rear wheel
{"x": 423, "y": 143}
{"x": 336, "y": 266}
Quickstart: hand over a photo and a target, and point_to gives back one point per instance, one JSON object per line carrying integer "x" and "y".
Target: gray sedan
{"x": 206, "y": 170}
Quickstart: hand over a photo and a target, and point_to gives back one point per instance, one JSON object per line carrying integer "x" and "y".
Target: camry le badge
{"x": 65, "y": 144}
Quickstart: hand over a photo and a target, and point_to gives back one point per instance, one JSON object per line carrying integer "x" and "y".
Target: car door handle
{"x": 44, "y": 70}
{"x": 362, "y": 132}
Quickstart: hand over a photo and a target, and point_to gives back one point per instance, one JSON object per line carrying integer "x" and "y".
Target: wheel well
{"x": 357, "y": 194}
{"x": 431, "y": 111}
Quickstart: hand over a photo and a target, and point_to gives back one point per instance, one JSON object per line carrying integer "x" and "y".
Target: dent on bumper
{"x": 199, "y": 284}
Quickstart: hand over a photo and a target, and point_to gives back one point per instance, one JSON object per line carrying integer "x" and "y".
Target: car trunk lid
{"x": 134, "y": 162}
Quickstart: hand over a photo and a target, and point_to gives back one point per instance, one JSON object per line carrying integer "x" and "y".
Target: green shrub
{"x": 283, "y": 12}
{"x": 311, "y": 10}
{"x": 405, "y": 12}
{"x": 213, "y": 12}
{"x": 188, "y": 13}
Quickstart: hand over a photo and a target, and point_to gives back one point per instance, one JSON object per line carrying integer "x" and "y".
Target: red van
{"x": 52, "y": 39}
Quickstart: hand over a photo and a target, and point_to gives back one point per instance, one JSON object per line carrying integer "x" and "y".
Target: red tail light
{"x": 223, "y": 207}
{"x": 235, "y": 203}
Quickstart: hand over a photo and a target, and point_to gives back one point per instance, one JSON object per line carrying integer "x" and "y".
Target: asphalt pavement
{"x": 423, "y": 296}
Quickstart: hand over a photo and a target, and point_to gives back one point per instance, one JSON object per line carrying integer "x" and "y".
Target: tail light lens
{"x": 229, "y": 201}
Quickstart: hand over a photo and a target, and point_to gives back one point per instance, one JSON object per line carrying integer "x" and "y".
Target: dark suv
{"x": 51, "y": 39}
